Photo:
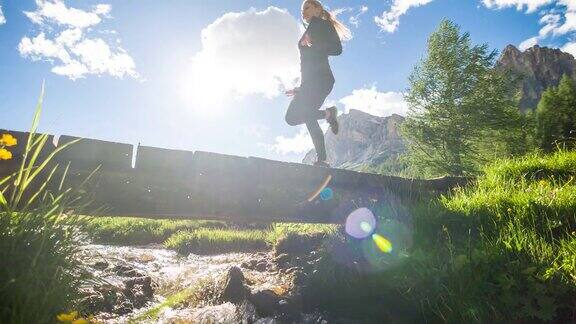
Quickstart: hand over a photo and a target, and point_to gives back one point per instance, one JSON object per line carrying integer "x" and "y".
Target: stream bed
{"x": 133, "y": 280}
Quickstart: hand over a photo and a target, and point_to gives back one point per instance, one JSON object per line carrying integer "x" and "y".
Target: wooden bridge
{"x": 163, "y": 183}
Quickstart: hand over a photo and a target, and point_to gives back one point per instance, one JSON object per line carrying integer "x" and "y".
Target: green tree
{"x": 462, "y": 111}
{"x": 556, "y": 116}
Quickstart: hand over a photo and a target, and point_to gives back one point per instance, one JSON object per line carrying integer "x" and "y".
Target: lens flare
{"x": 326, "y": 194}
{"x": 382, "y": 243}
{"x": 366, "y": 227}
{"x": 360, "y": 223}
{"x": 320, "y": 188}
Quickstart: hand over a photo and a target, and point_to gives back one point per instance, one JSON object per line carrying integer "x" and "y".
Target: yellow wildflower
{"x": 81, "y": 321}
{"x": 8, "y": 140}
{"x": 5, "y": 154}
{"x": 67, "y": 317}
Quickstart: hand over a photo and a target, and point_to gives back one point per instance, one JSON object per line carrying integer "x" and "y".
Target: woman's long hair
{"x": 343, "y": 31}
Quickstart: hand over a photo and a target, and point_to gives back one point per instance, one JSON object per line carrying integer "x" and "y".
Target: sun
{"x": 203, "y": 89}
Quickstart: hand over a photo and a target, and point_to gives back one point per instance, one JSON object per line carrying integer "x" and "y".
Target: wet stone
{"x": 246, "y": 312}
{"x": 261, "y": 266}
{"x": 124, "y": 308}
{"x": 143, "y": 284}
{"x": 235, "y": 289}
{"x": 251, "y": 264}
{"x": 140, "y": 299}
{"x": 126, "y": 271}
{"x": 266, "y": 302}
{"x": 101, "y": 265}
{"x": 93, "y": 303}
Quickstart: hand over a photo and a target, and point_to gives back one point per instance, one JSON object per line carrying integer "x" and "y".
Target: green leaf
{"x": 3, "y": 202}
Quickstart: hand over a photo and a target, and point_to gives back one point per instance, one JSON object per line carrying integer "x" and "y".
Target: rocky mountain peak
{"x": 540, "y": 67}
{"x": 363, "y": 139}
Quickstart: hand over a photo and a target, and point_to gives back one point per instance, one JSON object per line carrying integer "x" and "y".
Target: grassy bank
{"x": 195, "y": 236}
{"x": 139, "y": 231}
{"x": 501, "y": 250}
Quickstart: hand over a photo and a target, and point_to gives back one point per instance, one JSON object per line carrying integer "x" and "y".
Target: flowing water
{"x": 171, "y": 273}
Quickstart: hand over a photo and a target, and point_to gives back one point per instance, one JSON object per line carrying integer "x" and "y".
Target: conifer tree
{"x": 461, "y": 109}
{"x": 556, "y": 116}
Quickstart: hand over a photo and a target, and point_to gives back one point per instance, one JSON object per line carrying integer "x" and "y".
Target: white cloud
{"x": 71, "y": 52}
{"x": 570, "y": 48}
{"x": 558, "y": 18}
{"x": 338, "y": 11}
{"x": 569, "y": 23}
{"x": 99, "y": 59}
{"x": 39, "y": 48}
{"x": 243, "y": 53}
{"x": 354, "y": 14}
{"x": 300, "y": 143}
{"x": 530, "y": 5}
{"x": 69, "y": 37}
{"x": 390, "y": 20}
{"x": 72, "y": 69}
{"x": 550, "y": 22}
{"x": 355, "y": 20}
{"x": 2, "y": 19}
{"x": 528, "y": 43}
{"x": 55, "y": 11}
{"x": 375, "y": 103}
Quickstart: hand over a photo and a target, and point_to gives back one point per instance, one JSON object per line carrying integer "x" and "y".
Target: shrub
{"x": 40, "y": 274}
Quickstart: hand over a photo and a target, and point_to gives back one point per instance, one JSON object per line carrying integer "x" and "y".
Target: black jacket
{"x": 325, "y": 42}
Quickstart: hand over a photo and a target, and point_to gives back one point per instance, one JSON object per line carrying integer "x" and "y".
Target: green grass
{"x": 195, "y": 236}
{"x": 203, "y": 292}
{"x": 209, "y": 241}
{"x": 176, "y": 300}
{"x": 502, "y": 250}
{"x": 40, "y": 275}
{"x": 139, "y": 231}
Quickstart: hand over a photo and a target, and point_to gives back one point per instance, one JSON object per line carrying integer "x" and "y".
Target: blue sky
{"x": 208, "y": 75}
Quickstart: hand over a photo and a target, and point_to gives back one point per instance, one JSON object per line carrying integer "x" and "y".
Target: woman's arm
{"x": 324, "y": 37}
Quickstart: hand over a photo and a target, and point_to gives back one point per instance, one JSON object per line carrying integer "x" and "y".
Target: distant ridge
{"x": 363, "y": 139}
{"x": 541, "y": 67}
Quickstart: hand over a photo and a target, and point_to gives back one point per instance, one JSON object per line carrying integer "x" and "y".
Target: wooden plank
{"x": 203, "y": 185}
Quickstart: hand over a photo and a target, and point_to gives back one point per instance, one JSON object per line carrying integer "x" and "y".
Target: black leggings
{"x": 304, "y": 109}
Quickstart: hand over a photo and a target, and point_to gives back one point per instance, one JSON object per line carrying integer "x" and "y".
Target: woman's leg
{"x": 305, "y": 108}
{"x": 317, "y": 138}
{"x": 297, "y": 110}
{"x": 322, "y": 90}
{"x": 306, "y": 103}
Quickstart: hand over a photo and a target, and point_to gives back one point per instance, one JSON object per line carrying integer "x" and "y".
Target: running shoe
{"x": 332, "y": 119}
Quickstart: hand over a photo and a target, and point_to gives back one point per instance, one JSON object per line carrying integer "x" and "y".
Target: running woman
{"x": 321, "y": 39}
